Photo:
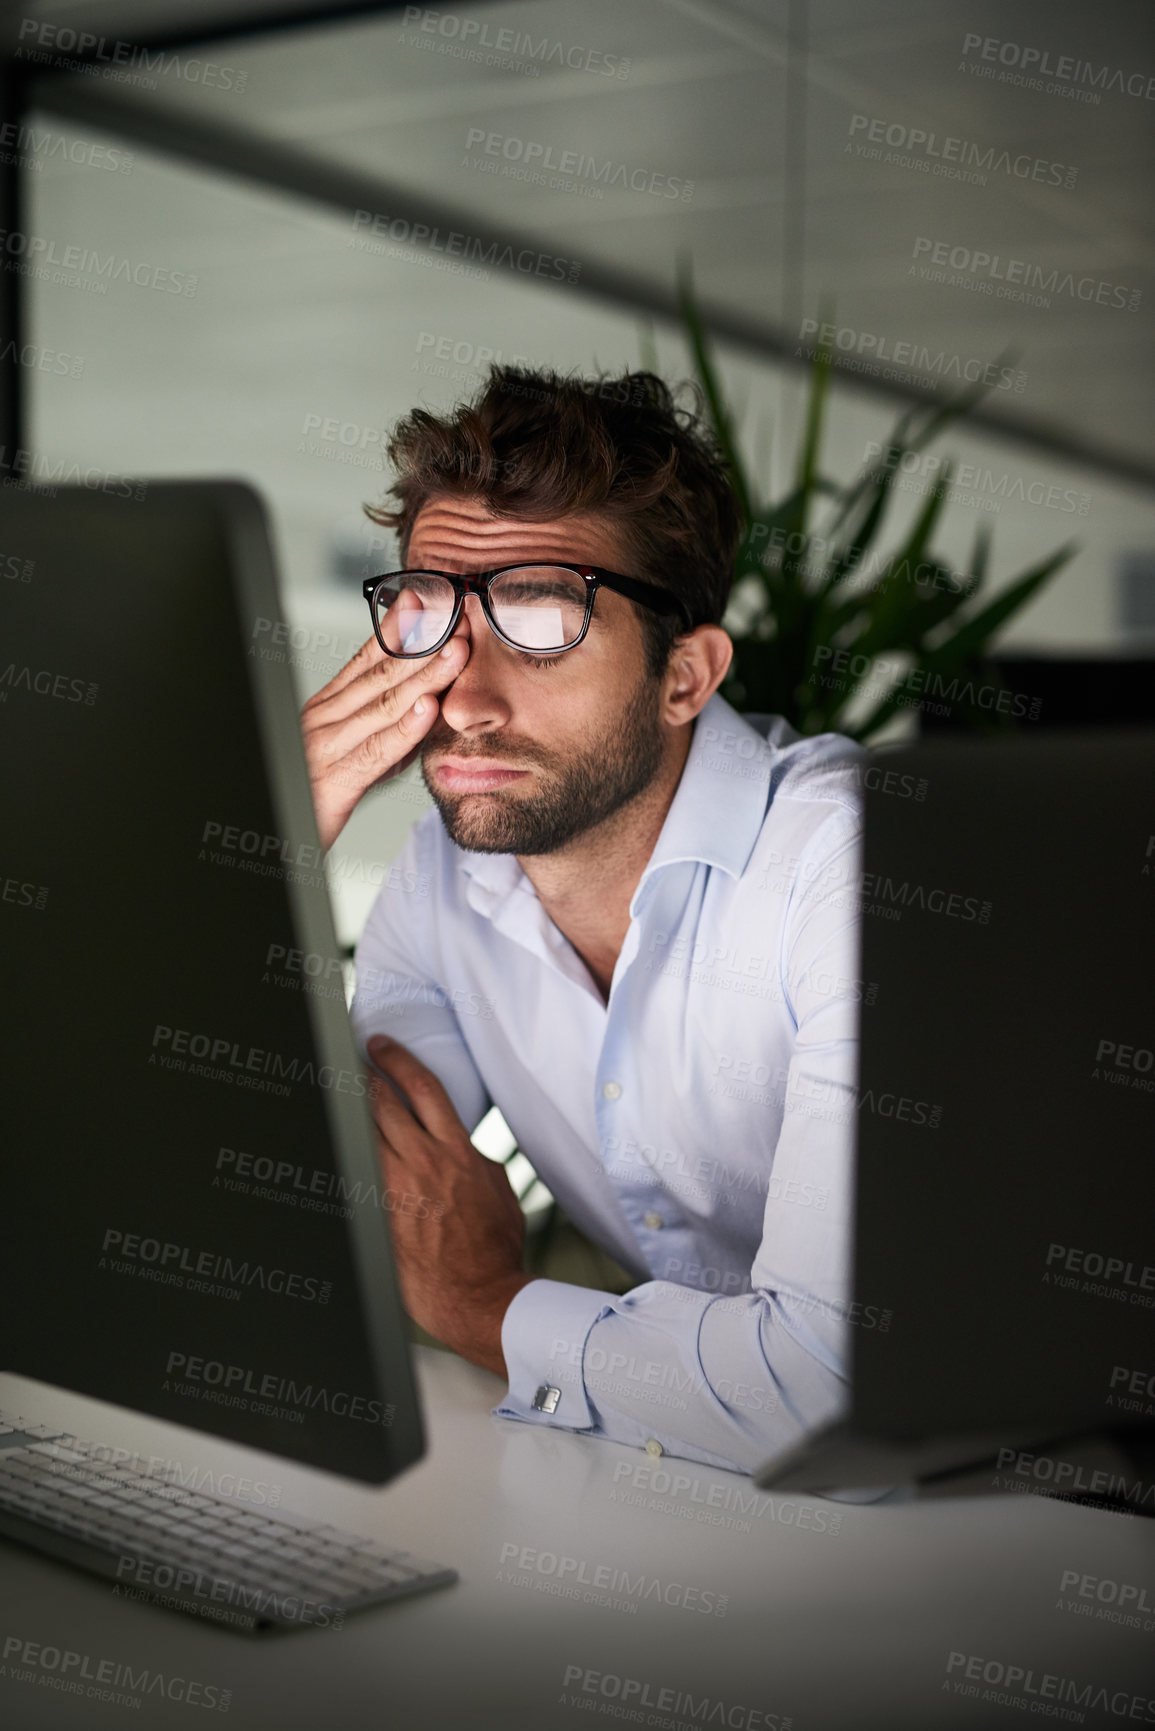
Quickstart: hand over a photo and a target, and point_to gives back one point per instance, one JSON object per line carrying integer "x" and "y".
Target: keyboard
{"x": 210, "y": 1555}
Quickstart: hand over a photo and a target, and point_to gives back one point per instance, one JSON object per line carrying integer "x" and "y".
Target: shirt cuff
{"x": 543, "y": 1337}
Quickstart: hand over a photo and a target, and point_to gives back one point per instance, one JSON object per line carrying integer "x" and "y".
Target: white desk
{"x": 836, "y": 1630}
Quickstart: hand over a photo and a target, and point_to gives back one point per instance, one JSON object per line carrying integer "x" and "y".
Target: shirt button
{"x": 654, "y": 1447}
{"x": 612, "y": 1090}
{"x": 653, "y": 1221}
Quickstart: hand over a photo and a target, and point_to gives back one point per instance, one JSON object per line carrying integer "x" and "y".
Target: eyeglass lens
{"x": 537, "y": 607}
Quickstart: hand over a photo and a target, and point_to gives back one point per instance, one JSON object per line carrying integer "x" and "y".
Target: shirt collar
{"x": 717, "y": 811}
{"x": 715, "y": 816}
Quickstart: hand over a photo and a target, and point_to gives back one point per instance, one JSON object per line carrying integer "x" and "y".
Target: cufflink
{"x": 546, "y": 1398}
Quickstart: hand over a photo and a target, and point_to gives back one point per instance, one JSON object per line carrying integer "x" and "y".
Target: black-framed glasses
{"x": 541, "y": 607}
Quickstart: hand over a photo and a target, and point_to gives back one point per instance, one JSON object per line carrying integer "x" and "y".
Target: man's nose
{"x": 474, "y": 700}
{"x": 472, "y": 624}
{"x": 471, "y": 616}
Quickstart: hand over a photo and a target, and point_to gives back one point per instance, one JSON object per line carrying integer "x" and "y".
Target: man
{"x": 628, "y": 923}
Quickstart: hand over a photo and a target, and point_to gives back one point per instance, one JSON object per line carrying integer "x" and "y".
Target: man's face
{"x": 523, "y": 758}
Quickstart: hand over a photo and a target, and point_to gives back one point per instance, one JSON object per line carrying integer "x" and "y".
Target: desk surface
{"x": 584, "y": 1569}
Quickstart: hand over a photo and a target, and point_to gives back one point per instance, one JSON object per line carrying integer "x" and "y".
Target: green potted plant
{"x": 811, "y": 601}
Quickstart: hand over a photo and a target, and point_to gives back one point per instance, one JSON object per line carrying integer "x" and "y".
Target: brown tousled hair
{"x": 536, "y": 445}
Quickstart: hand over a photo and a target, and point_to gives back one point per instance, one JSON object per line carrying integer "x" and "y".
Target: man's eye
{"x": 540, "y": 660}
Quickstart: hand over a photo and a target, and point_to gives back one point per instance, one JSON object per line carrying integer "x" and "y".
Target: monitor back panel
{"x": 1006, "y": 1102}
{"x": 193, "y": 1217}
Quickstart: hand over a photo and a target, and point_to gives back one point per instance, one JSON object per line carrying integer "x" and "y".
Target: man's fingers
{"x": 364, "y": 727}
{"x": 381, "y": 732}
{"x": 370, "y": 730}
{"x": 380, "y": 754}
{"x": 387, "y": 706}
{"x": 385, "y": 682}
{"x": 368, "y": 656}
{"x": 392, "y": 1113}
{"x": 431, "y": 1105}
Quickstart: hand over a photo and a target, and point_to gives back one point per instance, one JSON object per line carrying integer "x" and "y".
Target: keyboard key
{"x": 55, "y": 1451}
{"x": 21, "y": 1470}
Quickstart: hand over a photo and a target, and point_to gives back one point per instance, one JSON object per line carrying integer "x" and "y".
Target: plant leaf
{"x": 973, "y": 635}
{"x": 719, "y": 413}
{"x": 812, "y": 436}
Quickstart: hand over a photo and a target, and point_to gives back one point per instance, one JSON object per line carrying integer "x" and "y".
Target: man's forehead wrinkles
{"x": 467, "y": 529}
{"x": 459, "y": 538}
{"x": 465, "y": 518}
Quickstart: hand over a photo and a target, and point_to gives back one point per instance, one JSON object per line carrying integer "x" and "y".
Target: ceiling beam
{"x": 229, "y": 25}
{"x": 253, "y": 157}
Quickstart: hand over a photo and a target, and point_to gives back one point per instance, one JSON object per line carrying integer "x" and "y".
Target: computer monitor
{"x": 194, "y": 1219}
{"x": 1004, "y": 1266}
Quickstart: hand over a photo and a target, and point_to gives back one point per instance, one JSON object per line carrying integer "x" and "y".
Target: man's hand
{"x": 363, "y": 728}
{"x": 459, "y": 1256}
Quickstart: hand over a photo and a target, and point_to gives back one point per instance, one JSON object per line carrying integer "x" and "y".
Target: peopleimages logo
{"x": 839, "y": 340}
{"x": 988, "y": 268}
{"x": 185, "y": 1481}
{"x": 1050, "y": 1475}
{"x": 687, "y": 1709}
{"x": 1014, "y": 1685}
{"x": 40, "y": 360}
{"x": 251, "y": 1391}
{"x": 15, "y": 569}
{"x": 84, "y": 264}
{"x": 129, "y": 1252}
{"x": 100, "y": 54}
{"x": 691, "y": 1498}
{"x": 571, "y": 166}
{"x": 463, "y": 353}
{"x": 1138, "y": 1382}
{"x": 1111, "y": 1599}
{"x": 995, "y": 487}
{"x": 18, "y": 465}
{"x": 458, "y": 245}
{"x": 76, "y": 1673}
{"x": 342, "y": 441}
{"x": 1030, "y": 66}
{"x": 564, "y": 1574}
{"x": 467, "y": 36}
{"x": 192, "y": 1584}
{"x": 251, "y": 1067}
{"x": 918, "y": 687}
{"x": 1082, "y": 1270}
{"x": 24, "y": 895}
{"x": 1125, "y": 1066}
{"x": 46, "y": 683}
{"x": 954, "y": 158}
{"x": 43, "y": 145}
{"x": 282, "y": 1181}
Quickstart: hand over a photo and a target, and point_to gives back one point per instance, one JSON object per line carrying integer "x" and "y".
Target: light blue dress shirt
{"x": 699, "y": 1126}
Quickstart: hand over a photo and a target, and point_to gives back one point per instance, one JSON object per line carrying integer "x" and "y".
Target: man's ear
{"x": 698, "y": 663}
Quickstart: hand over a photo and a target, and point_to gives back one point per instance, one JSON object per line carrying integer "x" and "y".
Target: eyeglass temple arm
{"x": 649, "y": 595}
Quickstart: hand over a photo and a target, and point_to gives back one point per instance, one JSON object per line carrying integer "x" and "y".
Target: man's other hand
{"x": 363, "y": 727}
{"x": 457, "y": 1226}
